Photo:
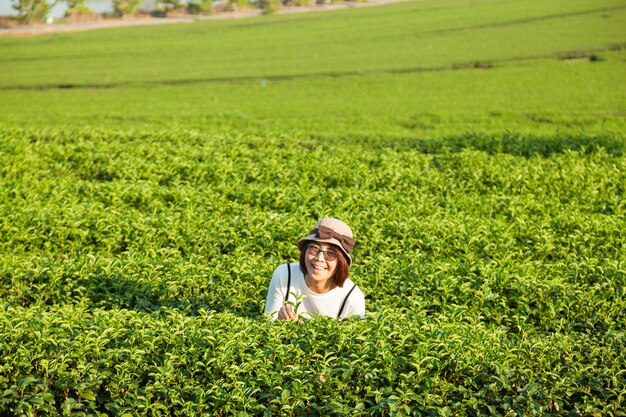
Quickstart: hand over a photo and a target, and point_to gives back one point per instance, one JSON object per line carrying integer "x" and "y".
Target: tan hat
{"x": 334, "y": 231}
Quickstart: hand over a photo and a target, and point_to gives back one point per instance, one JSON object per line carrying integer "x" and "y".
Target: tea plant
{"x": 135, "y": 268}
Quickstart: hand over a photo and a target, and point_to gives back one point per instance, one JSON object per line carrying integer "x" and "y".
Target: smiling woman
{"x": 318, "y": 284}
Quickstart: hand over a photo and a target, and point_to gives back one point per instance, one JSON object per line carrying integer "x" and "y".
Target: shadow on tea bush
{"x": 114, "y": 292}
{"x": 515, "y": 144}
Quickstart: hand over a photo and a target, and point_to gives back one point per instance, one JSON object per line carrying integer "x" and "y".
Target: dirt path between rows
{"x": 33, "y": 30}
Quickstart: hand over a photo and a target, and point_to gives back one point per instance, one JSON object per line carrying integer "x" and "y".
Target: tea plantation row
{"x": 134, "y": 267}
{"x": 413, "y": 69}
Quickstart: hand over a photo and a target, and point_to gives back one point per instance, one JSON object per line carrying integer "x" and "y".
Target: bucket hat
{"x": 333, "y": 231}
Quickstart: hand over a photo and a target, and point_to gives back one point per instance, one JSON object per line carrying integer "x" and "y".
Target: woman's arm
{"x": 276, "y": 294}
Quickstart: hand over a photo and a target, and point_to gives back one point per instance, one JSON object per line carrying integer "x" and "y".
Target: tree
{"x": 125, "y": 7}
{"x": 77, "y": 8}
{"x": 269, "y": 6}
{"x": 235, "y": 4}
{"x": 167, "y": 6}
{"x": 200, "y": 6}
{"x": 74, "y": 4}
{"x": 33, "y": 10}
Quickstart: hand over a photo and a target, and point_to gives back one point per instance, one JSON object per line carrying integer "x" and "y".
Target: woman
{"x": 319, "y": 283}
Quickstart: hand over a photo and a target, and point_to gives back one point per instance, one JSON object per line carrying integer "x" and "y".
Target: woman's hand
{"x": 287, "y": 312}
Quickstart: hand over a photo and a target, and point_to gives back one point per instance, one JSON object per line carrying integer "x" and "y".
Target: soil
{"x": 10, "y": 27}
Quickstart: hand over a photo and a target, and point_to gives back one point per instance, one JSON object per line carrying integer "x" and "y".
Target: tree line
{"x": 32, "y": 11}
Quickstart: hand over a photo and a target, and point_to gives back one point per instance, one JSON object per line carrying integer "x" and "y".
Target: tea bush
{"x": 134, "y": 268}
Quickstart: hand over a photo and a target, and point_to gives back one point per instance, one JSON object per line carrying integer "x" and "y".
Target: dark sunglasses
{"x": 329, "y": 255}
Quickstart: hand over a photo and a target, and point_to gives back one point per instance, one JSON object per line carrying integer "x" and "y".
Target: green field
{"x": 415, "y": 69}
{"x": 152, "y": 178}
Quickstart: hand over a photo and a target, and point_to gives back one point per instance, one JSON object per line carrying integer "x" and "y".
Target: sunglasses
{"x": 329, "y": 255}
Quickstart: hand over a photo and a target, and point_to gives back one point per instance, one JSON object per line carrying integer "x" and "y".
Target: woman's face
{"x": 319, "y": 269}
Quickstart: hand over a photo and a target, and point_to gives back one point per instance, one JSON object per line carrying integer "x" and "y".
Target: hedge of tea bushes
{"x": 72, "y": 359}
{"x": 134, "y": 269}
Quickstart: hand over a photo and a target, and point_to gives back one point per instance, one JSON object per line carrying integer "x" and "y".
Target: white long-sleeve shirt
{"x": 327, "y": 304}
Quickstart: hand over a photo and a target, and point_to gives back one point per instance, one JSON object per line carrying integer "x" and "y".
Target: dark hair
{"x": 341, "y": 271}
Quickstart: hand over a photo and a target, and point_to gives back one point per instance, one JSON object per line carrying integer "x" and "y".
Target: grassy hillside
{"x": 406, "y": 36}
{"x": 412, "y": 69}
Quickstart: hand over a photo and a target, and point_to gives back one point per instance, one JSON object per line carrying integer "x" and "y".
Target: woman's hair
{"x": 341, "y": 271}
